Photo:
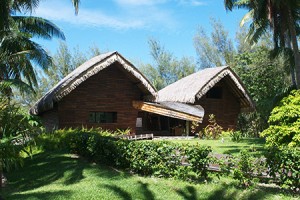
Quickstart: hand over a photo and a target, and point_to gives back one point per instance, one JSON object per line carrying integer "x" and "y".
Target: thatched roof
{"x": 172, "y": 109}
{"x": 195, "y": 86}
{"x": 83, "y": 72}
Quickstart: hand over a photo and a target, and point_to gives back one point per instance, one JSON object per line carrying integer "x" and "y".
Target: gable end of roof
{"x": 82, "y": 73}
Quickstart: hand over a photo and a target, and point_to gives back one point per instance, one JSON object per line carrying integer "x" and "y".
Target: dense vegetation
{"x": 177, "y": 160}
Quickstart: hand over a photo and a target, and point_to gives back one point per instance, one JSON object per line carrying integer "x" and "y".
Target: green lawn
{"x": 63, "y": 176}
{"x": 254, "y": 145}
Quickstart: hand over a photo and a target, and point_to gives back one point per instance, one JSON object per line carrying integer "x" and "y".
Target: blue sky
{"x": 127, "y": 25}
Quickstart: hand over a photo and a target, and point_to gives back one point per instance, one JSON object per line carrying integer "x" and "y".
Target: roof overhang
{"x": 172, "y": 109}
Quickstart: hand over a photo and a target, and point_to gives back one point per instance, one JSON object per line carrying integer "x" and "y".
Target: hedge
{"x": 168, "y": 159}
{"x": 162, "y": 159}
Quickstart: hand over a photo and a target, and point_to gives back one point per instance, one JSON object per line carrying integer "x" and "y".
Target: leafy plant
{"x": 16, "y": 134}
{"x": 244, "y": 169}
{"x": 194, "y": 128}
{"x": 197, "y": 157}
{"x": 284, "y": 166}
{"x": 122, "y": 131}
{"x": 162, "y": 159}
{"x": 284, "y": 129}
{"x": 213, "y": 129}
{"x": 236, "y": 136}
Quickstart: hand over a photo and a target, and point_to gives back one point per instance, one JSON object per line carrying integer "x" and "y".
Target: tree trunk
{"x": 294, "y": 41}
{"x": 292, "y": 67}
{"x": 1, "y": 173}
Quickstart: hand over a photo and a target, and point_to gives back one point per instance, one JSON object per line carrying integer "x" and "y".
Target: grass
{"x": 64, "y": 176}
{"x": 255, "y": 145}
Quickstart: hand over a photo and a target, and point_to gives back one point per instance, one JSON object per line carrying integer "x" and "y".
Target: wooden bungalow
{"x": 109, "y": 92}
{"x": 218, "y": 90}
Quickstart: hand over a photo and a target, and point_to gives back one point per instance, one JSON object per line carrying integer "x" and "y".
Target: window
{"x": 103, "y": 117}
{"x": 215, "y": 93}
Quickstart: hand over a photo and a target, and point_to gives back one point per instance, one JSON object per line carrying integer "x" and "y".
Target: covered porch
{"x": 166, "y": 118}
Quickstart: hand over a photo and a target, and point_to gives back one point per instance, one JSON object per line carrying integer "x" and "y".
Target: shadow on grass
{"x": 76, "y": 174}
{"x": 231, "y": 191}
{"x": 231, "y": 149}
{"x": 45, "y": 168}
{"x": 223, "y": 192}
{"x": 42, "y": 195}
{"x": 257, "y": 141}
{"x": 188, "y": 193}
{"x": 119, "y": 191}
{"x": 143, "y": 188}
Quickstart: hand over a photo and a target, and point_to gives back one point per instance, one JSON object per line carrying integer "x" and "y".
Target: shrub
{"x": 158, "y": 158}
{"x": 213, "y": 129}
{"x": 197, "y": 157}
{"x": 284, "y": 123}
{"x": 162, "y": 159}
{"x": 284, "y": 166}
{"x": 236, "y": 136}
{"x": 120, "y": 132}
{"x": 244, "y": 169}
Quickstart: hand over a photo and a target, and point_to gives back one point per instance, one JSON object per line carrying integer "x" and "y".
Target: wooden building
{"x": 218, "y": 90}
{"x": 109, "y": 92}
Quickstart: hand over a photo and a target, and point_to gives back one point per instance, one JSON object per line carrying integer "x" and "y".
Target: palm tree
{"x": 19, "y": 54}
{"x": 281, "y": 17}
{"x": 9, "y": 7}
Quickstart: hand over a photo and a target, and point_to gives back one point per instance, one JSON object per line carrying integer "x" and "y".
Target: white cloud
{"x": 192, "y": 2}
{"x": 147, "y": 18}
{"x": 65, "y": 13}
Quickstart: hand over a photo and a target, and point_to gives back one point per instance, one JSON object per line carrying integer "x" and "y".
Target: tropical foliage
{"x": 19, "y": 53}
{"x": 216, "y": 49}
{"x": 16, "y": 132}
{"x": 284, "y": 129}
{"x": 267, "y": 79}
{"x": 282, "y": 17}
{"x": 284, "y": 167}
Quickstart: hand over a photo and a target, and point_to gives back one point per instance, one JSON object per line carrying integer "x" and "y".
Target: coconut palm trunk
{"x": 295, "y": 47}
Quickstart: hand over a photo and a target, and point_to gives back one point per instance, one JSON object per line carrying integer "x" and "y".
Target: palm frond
{"x": 76, "y": 5}
{"x": 24, "y": 6}
{"x": 16, "y": 83}
{"x": 247, "y": 17}
{"x": 38, "y": 27}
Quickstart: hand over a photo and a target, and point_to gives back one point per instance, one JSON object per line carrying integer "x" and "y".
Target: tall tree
{"x": 166, "y": 69}
{"x": 216, "y": 49}
{"x": 282, "y": 17}
{"x": 10, "y": 7}
{"x": 19, "y": 53}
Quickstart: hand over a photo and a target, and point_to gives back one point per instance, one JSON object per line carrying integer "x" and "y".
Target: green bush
{"x": 284, "y": 166}
{"x": 162, "y": 159}
{"x": 197, "y": 157}
{"x": 236, "y": 136}
{"x": 244, "y": 169}
{"x": 213, "y": 129}
{"x": 284, "y": 123}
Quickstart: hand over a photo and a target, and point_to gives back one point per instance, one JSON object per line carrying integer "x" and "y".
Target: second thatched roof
{"x": 195, "y": 86}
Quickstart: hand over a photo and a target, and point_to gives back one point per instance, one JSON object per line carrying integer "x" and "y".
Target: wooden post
{"x": 187, "y": 127}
